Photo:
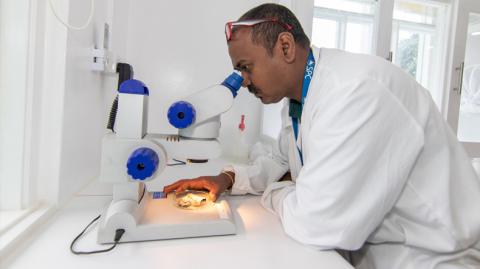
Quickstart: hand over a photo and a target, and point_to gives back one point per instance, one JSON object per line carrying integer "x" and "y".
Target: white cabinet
{"x": 464, "y": 78}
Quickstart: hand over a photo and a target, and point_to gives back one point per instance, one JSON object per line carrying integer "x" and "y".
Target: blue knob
{"x": 181, "y": 114}
{"x": 142, "y": 163}
{"x": 233, "y": 83}
{"x": 133, "y": 86}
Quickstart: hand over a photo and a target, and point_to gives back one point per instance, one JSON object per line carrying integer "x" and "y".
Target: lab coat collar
{"x": 286, "y": 106}
{"x": 294, "y": 107}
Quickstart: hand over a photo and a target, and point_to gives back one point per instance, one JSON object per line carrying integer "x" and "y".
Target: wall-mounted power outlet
{"x": 104, "y": 59}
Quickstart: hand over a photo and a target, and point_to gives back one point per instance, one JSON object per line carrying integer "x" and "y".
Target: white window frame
{"x": 443, "y": 48}
{"x": 342, "y": 18}
{"x": 14, "y": 95}
{"x": 413, "y": 27}
{"x": 32, "y": 196}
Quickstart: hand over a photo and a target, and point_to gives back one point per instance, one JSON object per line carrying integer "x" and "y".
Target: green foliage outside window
{"x": 408, "y": 53}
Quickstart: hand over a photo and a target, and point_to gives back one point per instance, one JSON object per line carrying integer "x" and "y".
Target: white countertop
{"x": 259, "y": 243}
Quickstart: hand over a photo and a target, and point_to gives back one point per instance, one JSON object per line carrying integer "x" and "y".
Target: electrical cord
{"x": 143, "y": 194}
{"x": 178, "y": 162}
{"x": 69, "y": 26}
{"x": 125, "y": 72}
{"x": 113, "y": 115}
{"x": 118, "y": 235}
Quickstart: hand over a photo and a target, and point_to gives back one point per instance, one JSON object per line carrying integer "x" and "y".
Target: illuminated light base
{"x": 156, "y": 219}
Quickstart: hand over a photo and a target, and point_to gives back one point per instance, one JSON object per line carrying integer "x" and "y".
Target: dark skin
{"x": 269, "y": 77}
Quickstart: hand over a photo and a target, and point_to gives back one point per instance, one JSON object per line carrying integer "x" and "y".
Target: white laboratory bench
{"x": 259, "y": 243}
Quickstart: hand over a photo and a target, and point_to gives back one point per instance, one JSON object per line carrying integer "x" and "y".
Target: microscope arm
{"x": 198, "y": 115}
{"x": 210, "y": 103}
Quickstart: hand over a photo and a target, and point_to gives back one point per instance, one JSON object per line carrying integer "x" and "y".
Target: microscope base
{"x": 156, "y": 219}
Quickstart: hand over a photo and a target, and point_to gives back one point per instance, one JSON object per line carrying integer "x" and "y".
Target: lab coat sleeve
{"x": 268, "y": 164}
{"x": 362, "y": 145}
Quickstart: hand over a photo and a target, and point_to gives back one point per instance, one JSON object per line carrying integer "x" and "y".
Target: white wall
{"x": 70, "y": 120}
{"x": 83, "y": 116}
{"x": 175, "y": 47}
{"x": 179, "y": 47}
{"x": 75, "y": 101}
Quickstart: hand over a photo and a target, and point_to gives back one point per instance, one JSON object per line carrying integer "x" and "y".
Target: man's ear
{"x": 286, "y": 46}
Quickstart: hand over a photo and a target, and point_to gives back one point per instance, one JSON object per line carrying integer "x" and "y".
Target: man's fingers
{"x": 193, "y": 184}
{"x": 172, "y": 187}
{"x": 200, "y": 183}
{"x": 184, "y": 184}
{"x": 212, "y": 189}
{"x": 213, "y": 196}
{"x": 181, "y": 188}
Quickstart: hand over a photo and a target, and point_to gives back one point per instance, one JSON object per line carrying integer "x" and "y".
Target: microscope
{"x": 132, "y": 159}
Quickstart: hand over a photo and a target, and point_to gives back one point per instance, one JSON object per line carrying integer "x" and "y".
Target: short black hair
{"x": 266, "y": 34}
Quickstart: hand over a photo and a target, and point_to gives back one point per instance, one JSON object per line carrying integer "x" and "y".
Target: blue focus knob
{"x": 142, "y": 163}
{"x": 181, "y": 114}
{"x": 233, "y": 83}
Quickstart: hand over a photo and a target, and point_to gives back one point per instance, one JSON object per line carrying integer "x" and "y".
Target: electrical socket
{"x": 103, "y": 59}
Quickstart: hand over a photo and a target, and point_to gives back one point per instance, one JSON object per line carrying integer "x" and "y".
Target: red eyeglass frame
{"x": 249, "y": 23}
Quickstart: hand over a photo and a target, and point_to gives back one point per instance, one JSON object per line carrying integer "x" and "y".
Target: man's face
{"x": 262, "y": 72}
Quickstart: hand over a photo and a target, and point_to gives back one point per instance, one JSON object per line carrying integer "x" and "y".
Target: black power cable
{"x": 118, "y": 235}
{"x": 113, "y": 114}
{"x": 143, "y": 193}
{"x": 125, "y": 72}
{"x": 177, "y": 162}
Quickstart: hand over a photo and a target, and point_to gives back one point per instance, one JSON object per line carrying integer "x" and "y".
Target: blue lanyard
{"x": 307, "y": 78}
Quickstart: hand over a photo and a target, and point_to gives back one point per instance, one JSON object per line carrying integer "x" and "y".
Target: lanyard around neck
{"x": 307, "y": 78}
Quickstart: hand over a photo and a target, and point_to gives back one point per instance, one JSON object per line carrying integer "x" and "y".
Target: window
{"x": 410, "y": 33}
{"x": 418, "y": 42}
{"x": 19, "y": 207}
{"x": 344, "y": 24}
{"x": 13, "y": 100}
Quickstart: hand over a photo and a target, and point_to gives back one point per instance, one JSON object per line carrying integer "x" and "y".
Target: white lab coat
{"x": 383, "y": 173}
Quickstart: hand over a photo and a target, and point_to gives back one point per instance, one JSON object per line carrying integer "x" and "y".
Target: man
{"x": 374, "y": 166}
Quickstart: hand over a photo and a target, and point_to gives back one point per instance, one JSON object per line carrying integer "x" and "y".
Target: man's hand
{"x": 215, "y": 185}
